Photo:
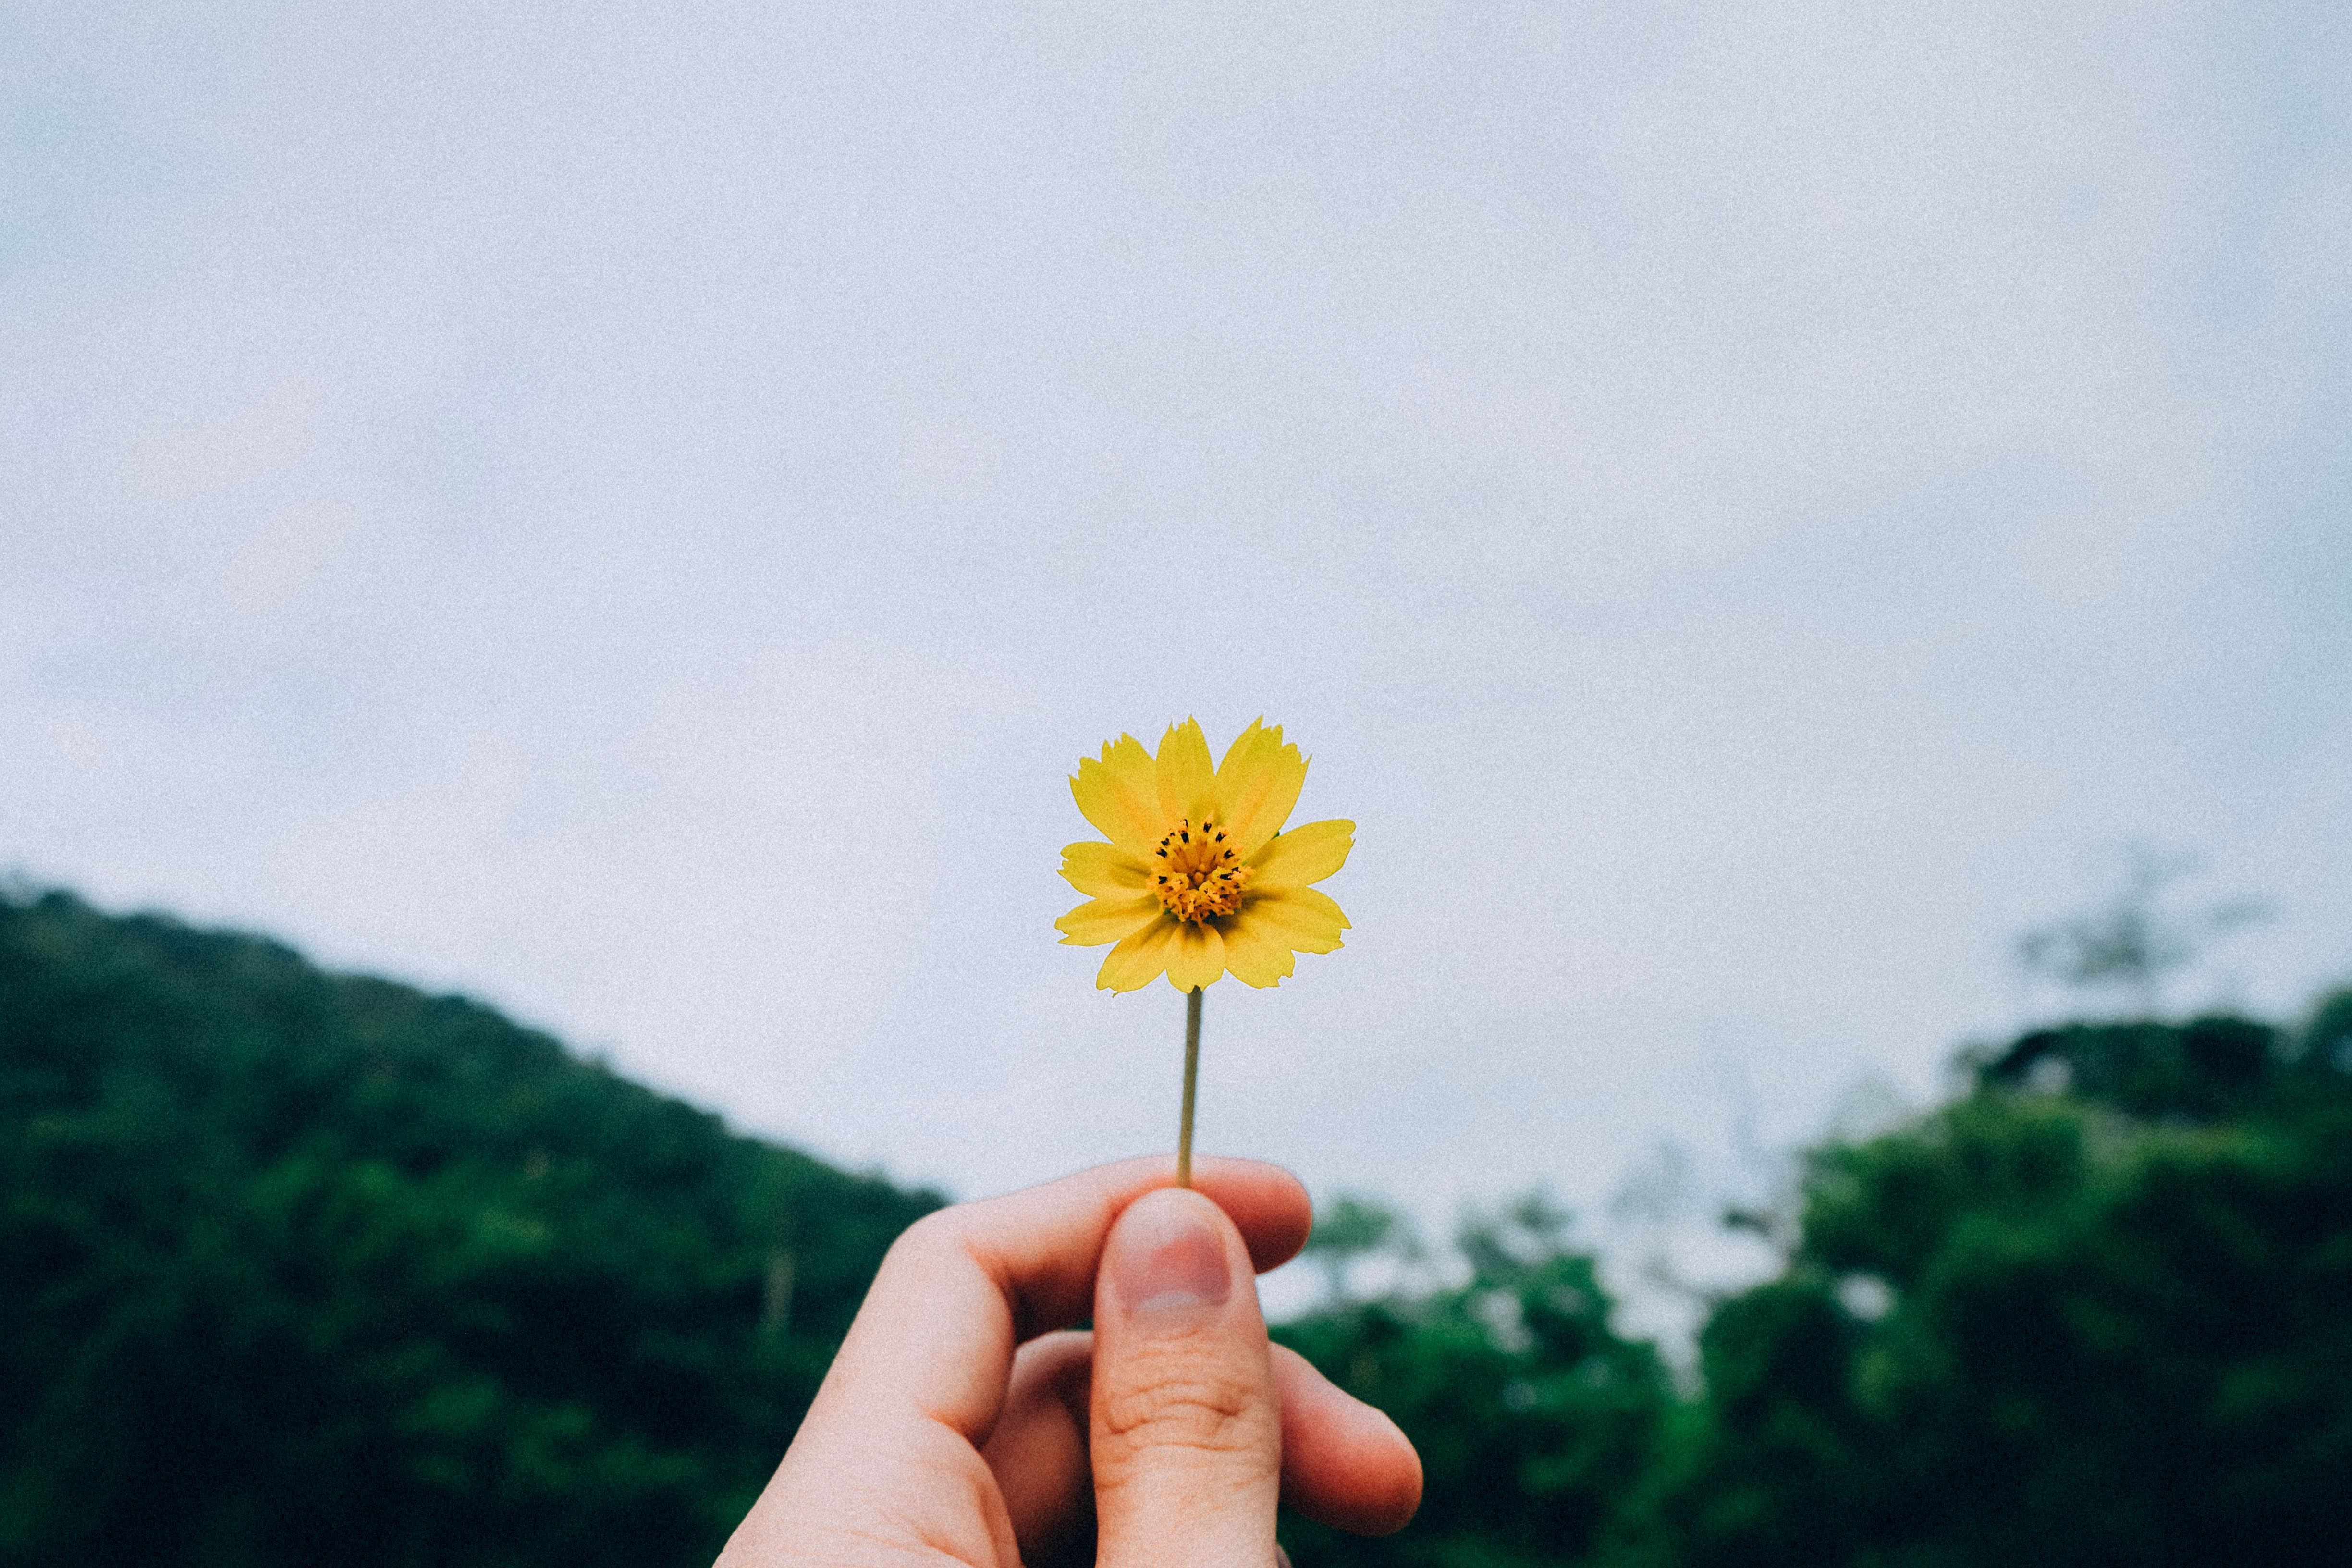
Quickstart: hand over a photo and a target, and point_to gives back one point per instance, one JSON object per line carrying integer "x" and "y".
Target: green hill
{"x": 300, "y": 1267}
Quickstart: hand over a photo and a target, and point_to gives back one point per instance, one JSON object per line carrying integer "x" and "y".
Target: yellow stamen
{"x": 1196, "y": 873}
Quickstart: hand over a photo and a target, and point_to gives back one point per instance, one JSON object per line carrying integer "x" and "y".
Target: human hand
{"x": 957, "y": 1424}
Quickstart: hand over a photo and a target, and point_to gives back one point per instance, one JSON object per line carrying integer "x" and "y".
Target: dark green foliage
{"x": 2326, "y": 1043}
{"x": 2203, "y": 1070}
{"x": 298, "y": 1267}
{"x": 2120, "y": 1328}
{"x": 1533, "y": 1419}
{"x": 2099, "y": 1312}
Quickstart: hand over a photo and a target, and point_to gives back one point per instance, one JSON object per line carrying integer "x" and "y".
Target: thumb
{"x": 1187, "y": 1435}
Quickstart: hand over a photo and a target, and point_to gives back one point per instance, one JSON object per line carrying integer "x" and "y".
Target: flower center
{"x": 1197, "y": 873}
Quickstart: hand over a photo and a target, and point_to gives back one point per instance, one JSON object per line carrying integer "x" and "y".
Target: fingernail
{"x": 1166, "y": 1260}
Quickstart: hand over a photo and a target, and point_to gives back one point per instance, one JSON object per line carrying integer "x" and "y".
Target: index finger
{"x": 963, "y": 1288}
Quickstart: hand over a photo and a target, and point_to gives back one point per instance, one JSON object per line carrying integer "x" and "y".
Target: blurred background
{"x": 1807, "y": 539}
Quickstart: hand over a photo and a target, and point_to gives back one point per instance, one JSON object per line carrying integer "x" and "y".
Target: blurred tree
{"x": 1350, "y": 1228}
{"x": 2089, "y": 1315}
{"x": 2133, "y": 944}
{"x": 2326, "y": 1044}
{"x": 2104, "y": 1325}
{"x": 1533, "y": 1419}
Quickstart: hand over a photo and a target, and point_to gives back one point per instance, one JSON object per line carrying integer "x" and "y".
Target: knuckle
{"x": 1209, "y": 1412}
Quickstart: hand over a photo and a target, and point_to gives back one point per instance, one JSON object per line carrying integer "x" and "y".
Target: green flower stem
{"x": 1191, "y": 1084}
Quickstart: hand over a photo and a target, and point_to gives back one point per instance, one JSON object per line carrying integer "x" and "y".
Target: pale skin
{"x": 965, "y": 1422}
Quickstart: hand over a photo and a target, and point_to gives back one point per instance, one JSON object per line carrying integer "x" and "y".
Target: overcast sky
{"x": 632, "y": 512}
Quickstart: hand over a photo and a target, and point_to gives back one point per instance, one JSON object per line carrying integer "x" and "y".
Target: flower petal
{"x": 1307, "y": 921}
{"x": 1103, "y": 870}
{"x": 1308, "y": 853}
{"x": 1257, "y": 783}
{"x": 1253, "y": 956}
{"x": 1139, "y": 960}
{"x": 1199, "y": 956}
{"x": 1184, "y": 774}
{"x": 1107, "y": 920}
{"x": 1118, "y": 795}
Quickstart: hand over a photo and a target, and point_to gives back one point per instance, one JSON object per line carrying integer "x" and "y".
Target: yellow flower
{"x": 1199, "y": 879}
